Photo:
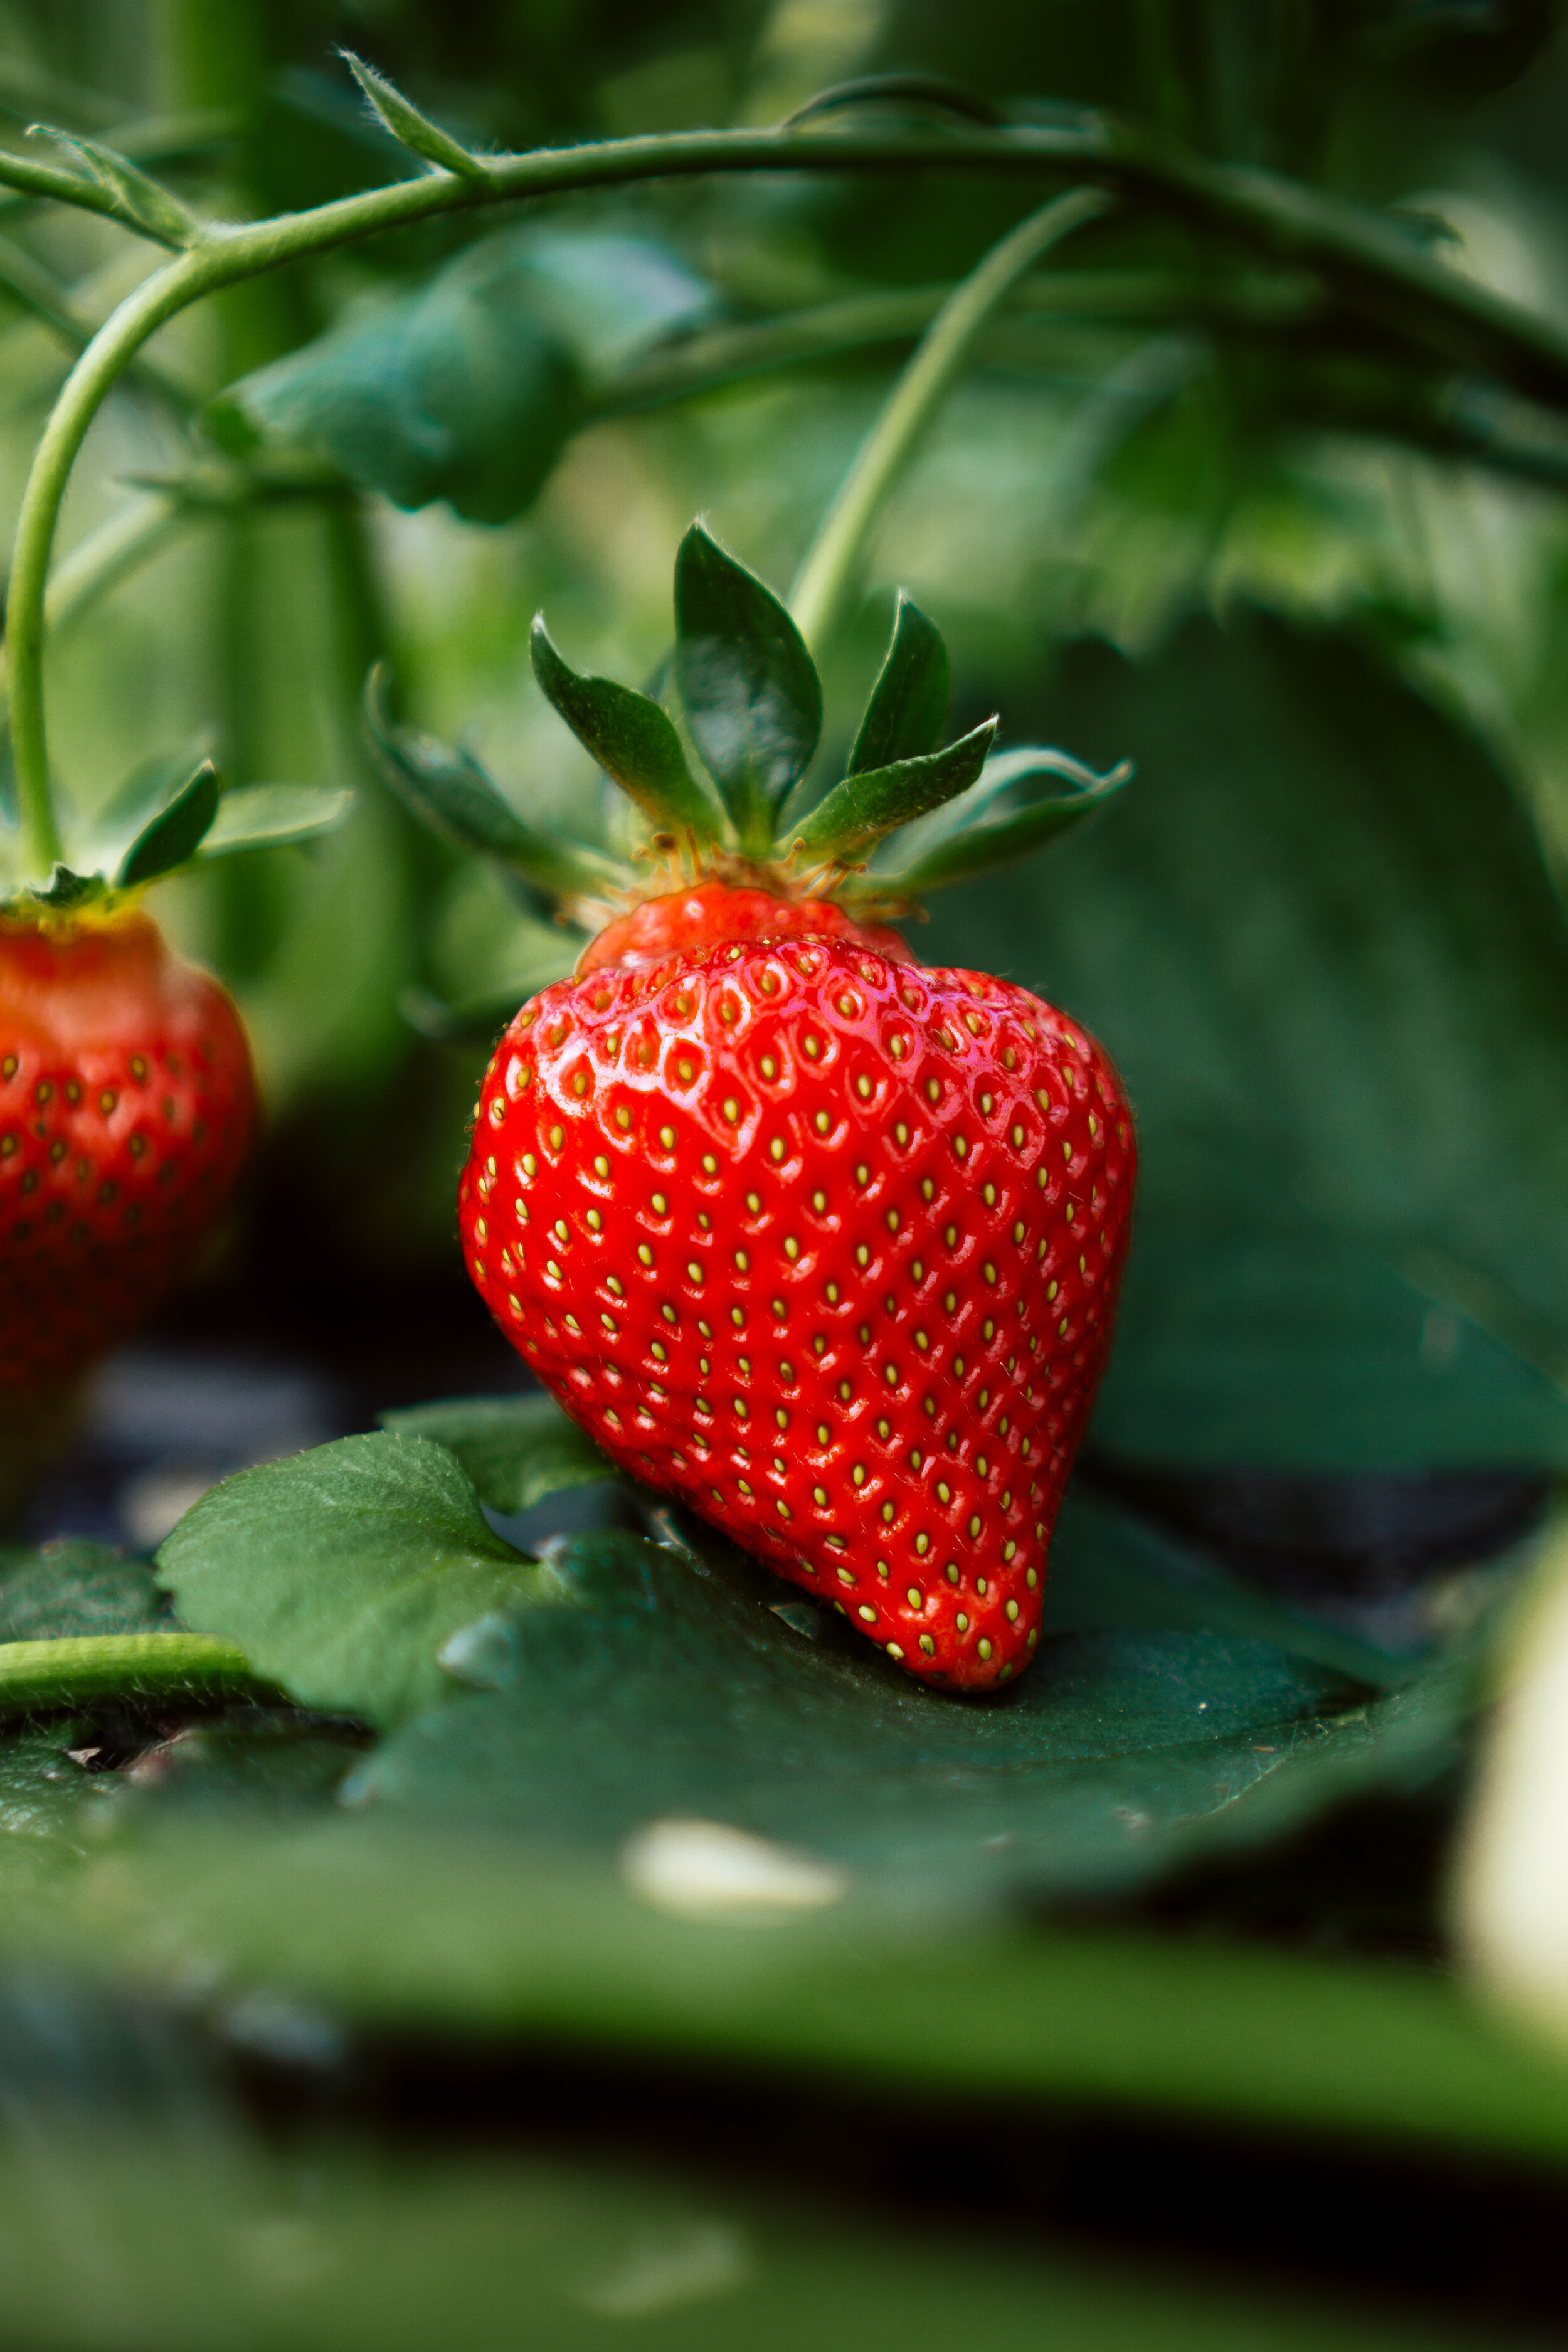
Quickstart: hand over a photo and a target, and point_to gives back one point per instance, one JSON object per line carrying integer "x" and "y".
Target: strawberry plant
{"x": 760, "y": 1735}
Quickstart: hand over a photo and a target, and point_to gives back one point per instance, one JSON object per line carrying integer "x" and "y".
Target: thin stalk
{"x": 828, "y": 576}
{"x": 126, "y": 1668}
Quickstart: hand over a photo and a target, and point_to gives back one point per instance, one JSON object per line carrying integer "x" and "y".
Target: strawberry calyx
{"x": 696, "y": 920}
{"x": 720, "y": 804}
{"x": 170, "y": 814}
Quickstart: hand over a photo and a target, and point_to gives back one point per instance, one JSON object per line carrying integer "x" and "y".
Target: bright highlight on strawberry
{"x": 821, "y": 1242}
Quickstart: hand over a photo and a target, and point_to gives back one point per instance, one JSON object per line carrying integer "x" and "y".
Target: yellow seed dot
{"x": 819, "y": 1496}
{"x": 867, "y": 1612}
{"x": 1031, "y": 1579}
{"x": 928, "y": 1646}
{"x": 984, "y": 1647}
{"x": 961, "y": 1621}
{"x": 922, "y": 1545}
{"x": 1033, "y": 1635}
{"x": 1012, "y": 1612}
{"x": 557, "y": 1138}
{"x": 601, "y": 1165}
{"x": 914, "y": 1598}
{"x": 792, "y": 1247}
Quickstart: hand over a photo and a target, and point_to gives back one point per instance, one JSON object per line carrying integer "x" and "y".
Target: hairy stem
{"x": 827, "y": 577}
{"x": 127, "y": 1668}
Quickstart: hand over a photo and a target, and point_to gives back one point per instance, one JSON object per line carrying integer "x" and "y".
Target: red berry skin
{"x": 825, "y": 1244}
{"x": 126, "y": 1105}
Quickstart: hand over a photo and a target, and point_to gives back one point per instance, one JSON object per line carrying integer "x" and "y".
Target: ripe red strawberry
{"x": 126, "y": 1102}
{"x": 821, "y": 1242}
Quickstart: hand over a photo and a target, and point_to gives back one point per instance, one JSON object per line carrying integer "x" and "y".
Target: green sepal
{"x": 751, "y": 695}
{"x": 409, "y": 127}
{"x": 961, "y": 854}
{"x": 140, "y": 202}
{"x": 907, "y": 715}
{"x": 173, "y": 835}
{"x": 634, "y": 741}
{"x": 859, "y": 812}
{"x": 272, "y": 816}
{"x": 66, "y": 890}
{"x": 449, "y": 791}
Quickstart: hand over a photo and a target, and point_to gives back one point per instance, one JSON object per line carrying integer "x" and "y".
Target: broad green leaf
{"x": 1321, "y": 941}
{"x": 154, "y": 2210}
{"x": 633, "y": 740}
{"x": 460, "y": 393}
{"x": 749, "y": 688}
{"x": 409, "y": 127}
{"x": 272, "y": 816}
{"x": 140, "y": 202}
{"x": 175, "y": 834}
{"x": 449, "y": 791}
{"x": 339, "y": 1573}
{"x": 855, "y": 815}
{"x": 516, "y": 1450}
{"x": 907, "y": 715}
{"x": 683, "y": 1687}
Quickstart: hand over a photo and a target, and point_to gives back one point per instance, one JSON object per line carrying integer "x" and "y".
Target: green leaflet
{"x": 749, "y": 688}
{"x": 272, "y": 816}
{"x": 339, "y": 1573}
{"x": 907, "y": 715}
{"x": 174, "y": 836}
{"x": 855, "y": 815}
{"x": 409, "y": 127}
{"x": 515, "y": 1449}
{"x": 452, "y": 793}
{"x": 462, "y": 391}
{"x": 633, "y": 740}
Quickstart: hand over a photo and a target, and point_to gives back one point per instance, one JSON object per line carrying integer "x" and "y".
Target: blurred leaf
{"x": 74, "y": 1588}
{"x": 449, "y": 791}
{"x": 1319, "y": 939}
{"x": 516, "y": 1450}
{"x": 859, "y": 812}
{"x": 341, "y": 1571}
{"x": 993, "y": 844}
{"x": 459, "y": 392}
{"x": 175, "y": 834}
{"x": 749, "y": 688}
{"x": 907, "y": 715}
{"x": 272, "y": 816}
{"x": 634, "y": 741}
{"x": 140, "y": 203}
{"x": 409, "y": 127}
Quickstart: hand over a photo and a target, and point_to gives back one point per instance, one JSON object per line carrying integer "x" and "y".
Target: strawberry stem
{"x": 129, "y": 1668}
{"x": 827, "y": 577}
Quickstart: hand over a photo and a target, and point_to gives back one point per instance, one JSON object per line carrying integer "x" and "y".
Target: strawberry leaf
{"x": 341, "y": 1571}
{"x": 907, "y": 715}
{"x": 750, "y": 689}
{"x": 859, "y": 812}
{"x": 272, "y": 816}
{"x": 173, "y": 837}
{"x": 515, "y": 1449}
{"x": 449, "y": 791}
{"x": 633, "y": 740}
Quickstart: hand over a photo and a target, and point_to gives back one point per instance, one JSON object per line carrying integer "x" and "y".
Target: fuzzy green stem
{"x": 827, "y": 577}
{"x": 131, "y": 1669}
{"x": 1371, "y": 264}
